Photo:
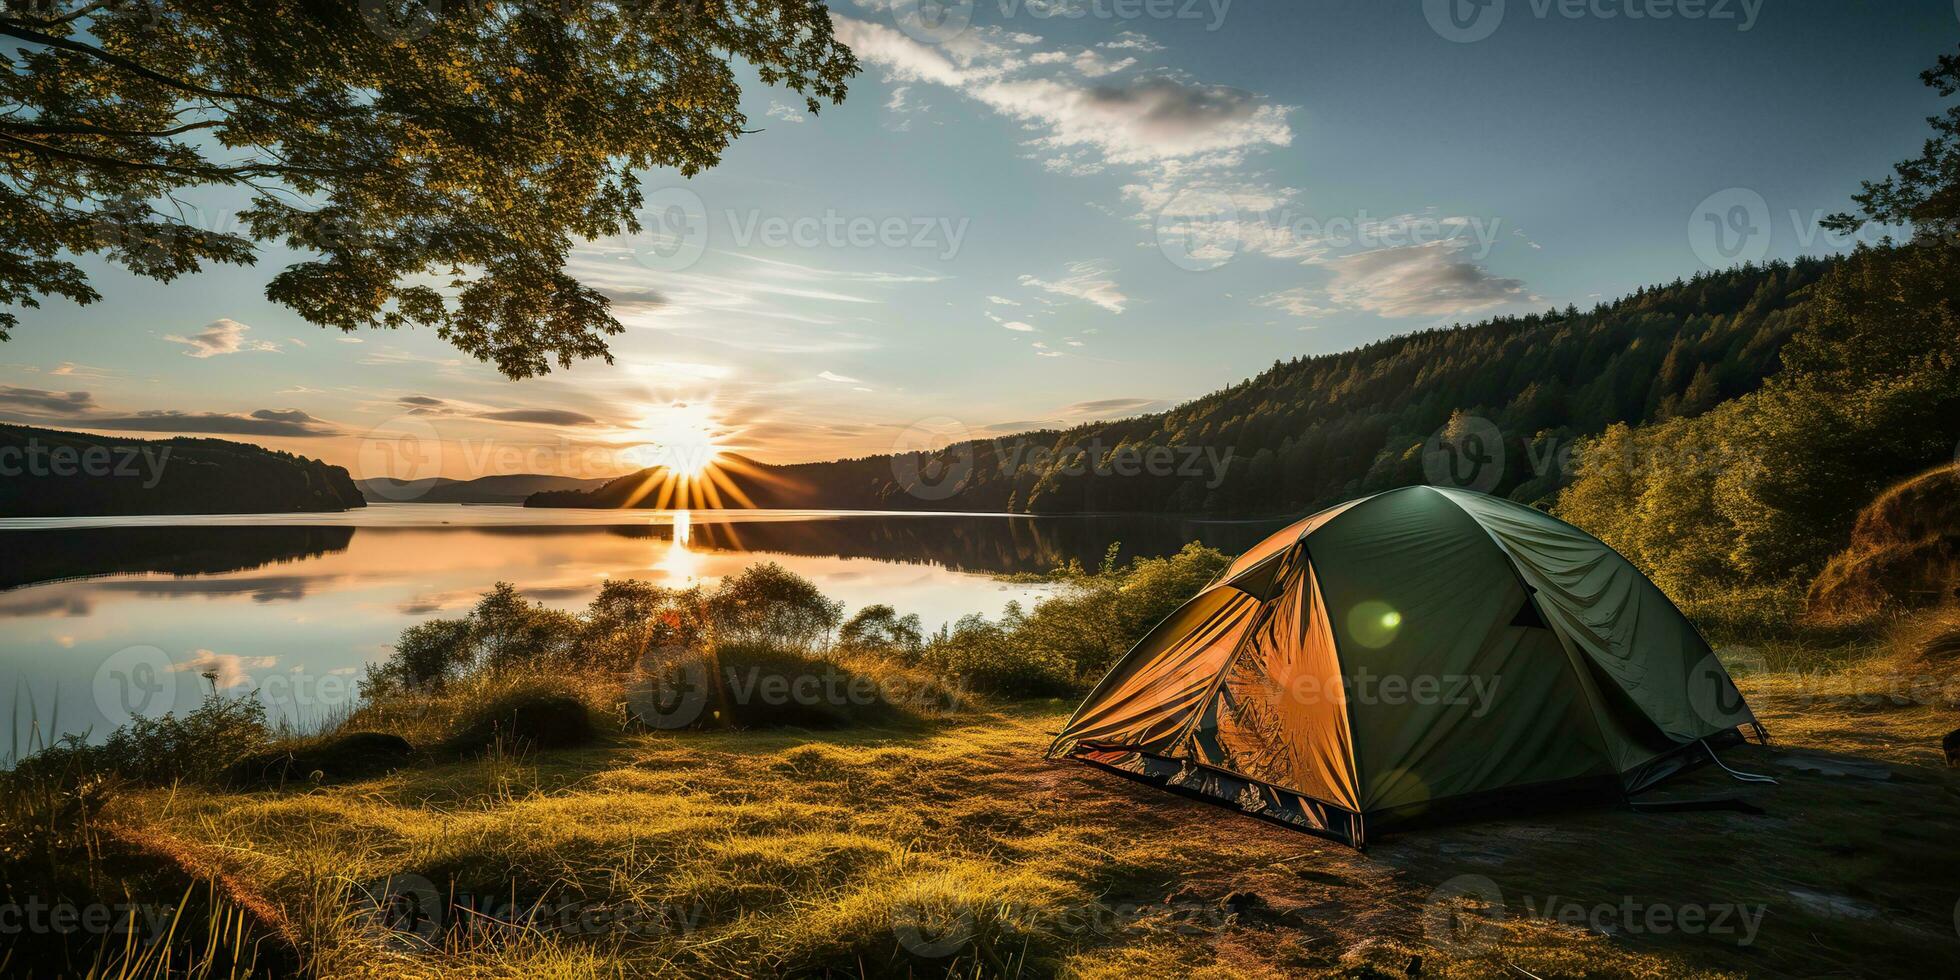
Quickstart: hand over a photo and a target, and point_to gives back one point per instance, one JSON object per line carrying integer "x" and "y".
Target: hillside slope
{"x": 507, "y": 489}
{"x": 52, "y": 473}
{"x": 1904, "y": 552}
{"x": 1317, "y": 430}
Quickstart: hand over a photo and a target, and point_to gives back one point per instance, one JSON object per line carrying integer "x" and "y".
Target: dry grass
{"x": 953, "y": 848}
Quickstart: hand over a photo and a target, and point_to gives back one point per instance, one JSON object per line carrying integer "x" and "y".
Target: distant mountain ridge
{"x": 56, "y": 473}
{"x": 1316, "y": 430}
{"x": 504, "y": 489}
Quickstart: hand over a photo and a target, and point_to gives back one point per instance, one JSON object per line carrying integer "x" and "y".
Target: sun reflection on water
{"x": 680, "y": 564}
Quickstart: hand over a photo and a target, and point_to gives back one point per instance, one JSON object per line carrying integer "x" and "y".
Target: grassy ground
{"x": 952, "y": 846}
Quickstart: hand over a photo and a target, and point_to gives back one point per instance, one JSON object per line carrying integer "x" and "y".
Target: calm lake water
{"x": 104, "y": 617}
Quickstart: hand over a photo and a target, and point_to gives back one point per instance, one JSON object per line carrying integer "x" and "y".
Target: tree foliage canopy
{"x": 438, "y": 158}
{"x": 1764, "y": 488}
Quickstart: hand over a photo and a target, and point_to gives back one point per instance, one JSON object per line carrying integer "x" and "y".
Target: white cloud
{"x": 225, "y": 669}
{"x": 1086, "y": 281}
{"x": 225, "y": 336}
{"x": 839, "y": 378}
{"x": 1420, "y": 280}
{"x": 1093, "y": 65}
{"x": 785, "y": 112}
{"x": 1002, "y": 301}
{"x": 1298, "y": 301}
{"x": 1018, "y": 327}
{"x": 1132, "y": 41}
{"x": 1148, "y": 119}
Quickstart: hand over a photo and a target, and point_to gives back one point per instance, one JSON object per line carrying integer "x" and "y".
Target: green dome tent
{"x": 1415, "y": 655}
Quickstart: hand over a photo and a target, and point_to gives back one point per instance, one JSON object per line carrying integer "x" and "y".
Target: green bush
{"x": 999, "y": 658}
{"x": 158, "y": 751}
{"x": 770, "y": 604}
{"x": 881, "y": 631}
{"x": 769, "y": 685}
{"x": 1073, "y": 636}
{"x": 630, "y": 619}
{"x": 536, "y": 716}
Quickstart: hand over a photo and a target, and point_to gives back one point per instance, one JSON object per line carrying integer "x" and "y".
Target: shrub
{"x": 630, "y": 619}
{"x": 530, "y": 717}
{"x": 770, "y": 604}
{"x": 157, "y": 751}
{"x": 1000, "y": 658}
{"x": 1072, "y": 637}
{"x": 766, "y": 685}
{"x": 426, "y": 655}
{"x": 347, "y": 755}
{"x": 880, "y": 630}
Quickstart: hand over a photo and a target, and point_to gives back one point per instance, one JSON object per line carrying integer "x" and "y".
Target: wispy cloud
{"x": 1420, "y": 280}
{"x": 539, "y": 416}
{"x": 1299, "y": 301}
{"x": 287, "y": 423}
{"x": 224, "y": 336}
{"x": 1086, "y": 281}
{"x": 1144, "y": 120}
{"x": 46, "y": 402}
{"x": 226, "y": 670}
{"x": 1113, "y": 406}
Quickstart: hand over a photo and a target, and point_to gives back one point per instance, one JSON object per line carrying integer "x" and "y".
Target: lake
{"x": 102, "y": 618}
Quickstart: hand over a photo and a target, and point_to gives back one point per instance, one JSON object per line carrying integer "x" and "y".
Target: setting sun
{"x": 684, "y": 448}
{"x": 682, "y": 437}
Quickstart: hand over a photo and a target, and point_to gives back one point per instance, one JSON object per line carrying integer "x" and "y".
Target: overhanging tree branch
{"x": 209, "y": 172}
{"x": 80, "y": 129}
{"x": 15, "y": 29}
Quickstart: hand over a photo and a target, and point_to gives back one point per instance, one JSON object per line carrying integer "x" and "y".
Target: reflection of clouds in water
{"x": 429, "y": 603}
{"x": 420, "y": 606}
{"x": 67, "y": 602}
{"x": 226, "y": 670}
{"x": 270, "y": 588}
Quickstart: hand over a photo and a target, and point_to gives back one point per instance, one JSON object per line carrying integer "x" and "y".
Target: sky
{"x": 1031, "y": 213}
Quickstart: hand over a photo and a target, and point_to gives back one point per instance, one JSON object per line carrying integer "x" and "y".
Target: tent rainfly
{"x": 1417, "y": 655}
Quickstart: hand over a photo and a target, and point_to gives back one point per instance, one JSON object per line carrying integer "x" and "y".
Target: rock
{"x": 1952, "y": 746}
{"x": 354, "y": 755}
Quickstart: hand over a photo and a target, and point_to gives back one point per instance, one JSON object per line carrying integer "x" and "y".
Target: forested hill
{"x": 1317, "y": 430}
{"x": 52, "y": 473}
